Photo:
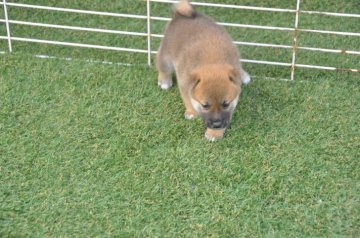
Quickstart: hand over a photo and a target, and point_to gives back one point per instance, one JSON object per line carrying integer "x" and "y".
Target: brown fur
{"x": 206, "y": 63}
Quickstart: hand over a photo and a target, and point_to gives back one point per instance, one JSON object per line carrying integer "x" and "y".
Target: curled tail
{"x": 184, "y": 8}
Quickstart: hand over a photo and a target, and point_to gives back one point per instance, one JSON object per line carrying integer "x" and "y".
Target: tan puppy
{"x": 207, "y": 67}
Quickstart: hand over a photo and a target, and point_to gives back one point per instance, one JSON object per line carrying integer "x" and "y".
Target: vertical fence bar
{"x": 295, "y": 39}
{"x": 7, "y": 26}
{"x": 148, "y": 31}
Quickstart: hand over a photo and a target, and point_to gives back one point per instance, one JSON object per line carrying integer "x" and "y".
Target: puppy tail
{"x": 184, "y": 8}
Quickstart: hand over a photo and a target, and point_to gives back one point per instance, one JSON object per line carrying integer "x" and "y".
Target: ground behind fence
{"x": 298, "y": 35}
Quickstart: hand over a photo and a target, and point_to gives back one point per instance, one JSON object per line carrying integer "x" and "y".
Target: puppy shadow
{"x": 174, "y": 79}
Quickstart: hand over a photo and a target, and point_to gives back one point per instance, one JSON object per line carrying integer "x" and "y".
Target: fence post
{"x": 295, "y": 39}
{"x": 148, "y": 30}
{"x": 7, "y": 26}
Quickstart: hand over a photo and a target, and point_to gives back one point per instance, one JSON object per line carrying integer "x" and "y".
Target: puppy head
{"x": 215, "y": 93}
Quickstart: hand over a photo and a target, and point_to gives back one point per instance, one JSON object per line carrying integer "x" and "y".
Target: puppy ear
{"x": 234, "y": 75}
{"x": 195, "y": 77}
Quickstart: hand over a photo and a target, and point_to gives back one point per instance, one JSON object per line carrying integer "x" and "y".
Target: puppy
{"x": 207, "y": 68}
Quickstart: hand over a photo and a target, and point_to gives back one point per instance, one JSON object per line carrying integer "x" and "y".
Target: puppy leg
{"x": 190, "y": 112}
{"x": 213, "y": 135}
{"x": 165, "y": 68}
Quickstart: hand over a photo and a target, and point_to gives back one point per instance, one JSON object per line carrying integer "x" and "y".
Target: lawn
{"x": 90, "y": 149}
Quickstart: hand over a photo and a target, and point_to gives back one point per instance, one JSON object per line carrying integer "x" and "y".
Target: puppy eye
{"x": 225, "y": 105}
{"x": 206, "y": 106}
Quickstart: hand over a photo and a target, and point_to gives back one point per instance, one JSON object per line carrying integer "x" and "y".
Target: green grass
{"x": 90, "y": 149}
{"x": 219, "y": 14}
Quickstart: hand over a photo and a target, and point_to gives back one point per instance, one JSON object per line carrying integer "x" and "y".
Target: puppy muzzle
{"x": 216, "y": 124}
{"x": 217, "y": 121}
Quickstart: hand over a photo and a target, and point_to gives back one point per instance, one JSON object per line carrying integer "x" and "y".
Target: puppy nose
{"x": 216, "y": 124}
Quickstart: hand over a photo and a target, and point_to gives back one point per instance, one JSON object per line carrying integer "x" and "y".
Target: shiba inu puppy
{"x": 207, "y": 68}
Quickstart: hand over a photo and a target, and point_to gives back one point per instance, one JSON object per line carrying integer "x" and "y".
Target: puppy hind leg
{"x": 165, "y": 69}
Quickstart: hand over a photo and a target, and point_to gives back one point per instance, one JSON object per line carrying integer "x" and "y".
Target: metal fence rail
{"x": 149, "y": 18}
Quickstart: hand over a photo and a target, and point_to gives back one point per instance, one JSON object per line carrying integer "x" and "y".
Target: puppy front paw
{"x": 213, "y": 135}
{"x": 190, "y": 115}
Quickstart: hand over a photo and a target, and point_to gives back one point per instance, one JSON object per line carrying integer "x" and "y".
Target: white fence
{"x": 149, "y": 18}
